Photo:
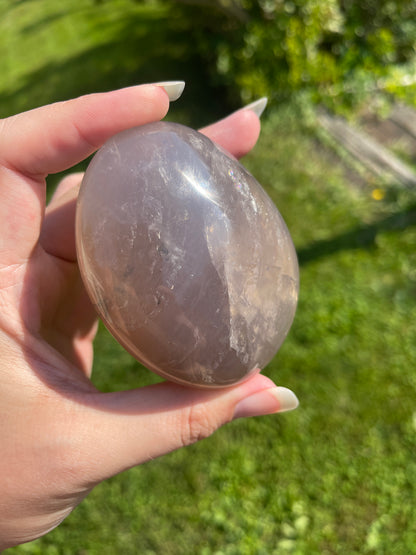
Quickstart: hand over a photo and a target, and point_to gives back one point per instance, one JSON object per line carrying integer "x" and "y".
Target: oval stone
{"x": 184, "y": 256}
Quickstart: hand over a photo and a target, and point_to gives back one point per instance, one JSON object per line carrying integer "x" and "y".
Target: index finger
{"x": 55, "y": 137}
{"x": 52, "y": 139}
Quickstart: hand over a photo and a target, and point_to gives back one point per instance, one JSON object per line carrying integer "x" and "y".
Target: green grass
{"x": 52, "y": 51}
{"x": 339, "y": 474}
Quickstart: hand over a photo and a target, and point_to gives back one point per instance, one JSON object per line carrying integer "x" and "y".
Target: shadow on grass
{"x": 363, "y": 236}
{"x": 34, "y": 27}
{"x": 145, "y": 47}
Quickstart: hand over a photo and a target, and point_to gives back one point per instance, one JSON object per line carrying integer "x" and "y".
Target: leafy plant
{"x": 341, "y": 51}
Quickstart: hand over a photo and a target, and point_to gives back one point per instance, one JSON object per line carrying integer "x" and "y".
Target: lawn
{"x": 338, "y": 475}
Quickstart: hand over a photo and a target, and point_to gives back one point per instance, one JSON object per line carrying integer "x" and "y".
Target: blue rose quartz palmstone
{"x": 184, "y": 256}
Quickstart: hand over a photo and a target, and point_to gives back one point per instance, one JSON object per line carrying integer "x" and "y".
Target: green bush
{"x": 341, "y": 51}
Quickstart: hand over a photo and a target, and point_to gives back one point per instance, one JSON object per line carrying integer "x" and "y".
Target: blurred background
{"x": 338, "y": 156}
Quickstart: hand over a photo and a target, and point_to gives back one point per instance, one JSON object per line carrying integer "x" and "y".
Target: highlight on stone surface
{"x": 184, "y": 255}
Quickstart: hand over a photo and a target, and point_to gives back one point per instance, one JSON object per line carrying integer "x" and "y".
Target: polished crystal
{"x": 184, "y": 255}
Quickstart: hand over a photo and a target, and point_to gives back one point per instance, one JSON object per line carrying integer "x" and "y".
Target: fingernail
{"x": 174, "y": 89}
{"x": 257, "y": 106}
{"x": 268, "y": 401}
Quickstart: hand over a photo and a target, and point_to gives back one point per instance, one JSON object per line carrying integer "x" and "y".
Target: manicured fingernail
{"x": 174, "y": 89}
{"x": 257, "y": 106}
{"x": 268, "y": 401}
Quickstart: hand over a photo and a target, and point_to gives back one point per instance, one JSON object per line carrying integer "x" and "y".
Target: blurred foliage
{"x": 341, "y": 51}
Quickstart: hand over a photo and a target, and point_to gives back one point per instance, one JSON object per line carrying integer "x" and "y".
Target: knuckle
{"x": 198, "y": 423}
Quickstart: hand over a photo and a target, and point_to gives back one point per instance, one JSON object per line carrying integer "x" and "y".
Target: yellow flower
{"x": 378, "y": 194}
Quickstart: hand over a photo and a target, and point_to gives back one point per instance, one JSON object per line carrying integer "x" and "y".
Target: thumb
{"x": 131, "y": 427}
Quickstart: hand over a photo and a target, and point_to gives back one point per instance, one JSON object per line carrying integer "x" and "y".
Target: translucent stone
{"x": 185, "y": 257}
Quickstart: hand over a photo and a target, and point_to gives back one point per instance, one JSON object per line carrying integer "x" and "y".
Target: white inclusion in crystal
{"x": 114, "y": 149}
{"x": 217, "y": 234}
{"x": 163, "y": 174}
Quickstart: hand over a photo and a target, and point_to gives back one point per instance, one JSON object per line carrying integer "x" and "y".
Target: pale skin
{"x": 59, "y": 436}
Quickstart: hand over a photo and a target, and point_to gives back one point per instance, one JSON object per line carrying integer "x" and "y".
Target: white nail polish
{"x": 174, "y": 89}
{"x": 267, "y": 401}
{"x": 257, "y": 106}
{"x": 287, "y": 399}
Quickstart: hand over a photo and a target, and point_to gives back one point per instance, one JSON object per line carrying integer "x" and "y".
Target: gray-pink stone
{"x": 185, "y": 257}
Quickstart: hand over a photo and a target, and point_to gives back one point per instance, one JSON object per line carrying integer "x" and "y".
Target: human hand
{"x": 59, "y": 436}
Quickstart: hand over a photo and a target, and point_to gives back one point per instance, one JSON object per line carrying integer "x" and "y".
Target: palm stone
{"x": 184, "y": 256}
